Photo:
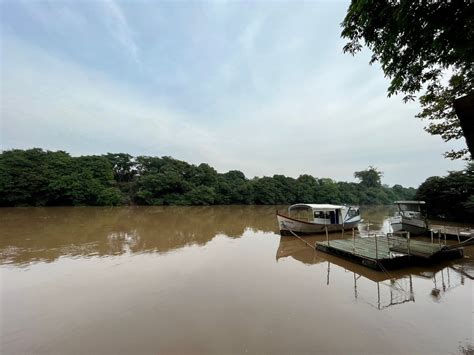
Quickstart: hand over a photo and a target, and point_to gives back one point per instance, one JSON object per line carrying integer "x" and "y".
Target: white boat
{"x": 409, "y": 217}
{"x": 305, "y": 218}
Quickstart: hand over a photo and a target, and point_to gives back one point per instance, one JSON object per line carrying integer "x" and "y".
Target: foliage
{"x": 370, "y": 177}
{"x": 421, "y": 45}
{"x": 37, "y": 178}
{"x": 42, "y": 178}
{"x": 450, "y": 197}
{"x": 123, "y": 166}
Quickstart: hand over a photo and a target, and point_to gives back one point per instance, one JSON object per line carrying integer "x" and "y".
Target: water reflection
{"x": 376, "y": 218}
{"x": 44, "y": 234}
{"x": 380, "y": 289}
{"x": 29, "y": 235}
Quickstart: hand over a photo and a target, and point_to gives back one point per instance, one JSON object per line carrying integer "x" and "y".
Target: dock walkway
{"x": 452, "y": 232}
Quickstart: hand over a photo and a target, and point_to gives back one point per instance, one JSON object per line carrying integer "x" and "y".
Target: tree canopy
{"x": 35, "y": 177}
{"x": 450, "y": 197}
{"x": 423, "y": 46}
{"x": 370, "y": 177}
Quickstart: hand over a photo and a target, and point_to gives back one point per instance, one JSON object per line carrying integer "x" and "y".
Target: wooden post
{"x": 431, "y": 236}
{"x": 459, "y": 239}
{"x": 439, "y": 237}
{"x": 327, "y": 235}
{"x": 368, "y": 228}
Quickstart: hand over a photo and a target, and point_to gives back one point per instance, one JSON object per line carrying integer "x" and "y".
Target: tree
{"x": 123, "y": 166}
{"x": 421, "y": 45}
{"x": 370, "y": 177}
{"x": 450, "y": 197}
{"x": 35, "y": 177}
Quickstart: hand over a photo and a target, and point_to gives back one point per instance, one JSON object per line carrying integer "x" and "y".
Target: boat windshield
{"x": 353, "y": 212}
{"x": 409, "y": 207}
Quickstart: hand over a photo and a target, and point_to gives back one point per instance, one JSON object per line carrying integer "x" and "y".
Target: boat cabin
{"x": 322, "y": 213}
{"x": 410, "y": 208}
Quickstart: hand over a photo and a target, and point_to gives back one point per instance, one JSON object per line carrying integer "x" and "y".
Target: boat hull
{"x": 407, "y": 224}
{"x": 288, "y": 225}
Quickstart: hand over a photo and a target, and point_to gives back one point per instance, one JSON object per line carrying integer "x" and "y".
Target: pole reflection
{"x": 379, "y": 289}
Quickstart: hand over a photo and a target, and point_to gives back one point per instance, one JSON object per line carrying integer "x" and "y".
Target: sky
{"x": 261, "y": 87}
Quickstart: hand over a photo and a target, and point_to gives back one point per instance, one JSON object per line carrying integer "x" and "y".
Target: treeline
{"x": 35, "y": 177}
{"x": 450, "y": 197}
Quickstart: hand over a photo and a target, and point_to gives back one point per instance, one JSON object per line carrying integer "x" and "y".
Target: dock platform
{"x": 388, "y": 252}
{"x": 458, "y": 233}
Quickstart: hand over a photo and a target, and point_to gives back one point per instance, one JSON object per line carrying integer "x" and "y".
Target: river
{"x": 219, "y": 280}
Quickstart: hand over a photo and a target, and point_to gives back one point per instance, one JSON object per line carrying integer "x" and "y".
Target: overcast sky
{"x": 263, "y": 88}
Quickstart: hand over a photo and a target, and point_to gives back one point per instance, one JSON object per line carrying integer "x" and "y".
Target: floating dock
{"x": 458, "y": 233}
{"x": 390, "y": 251}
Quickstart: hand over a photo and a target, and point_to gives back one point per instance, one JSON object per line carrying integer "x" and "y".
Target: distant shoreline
{"x": 35, "y": 177}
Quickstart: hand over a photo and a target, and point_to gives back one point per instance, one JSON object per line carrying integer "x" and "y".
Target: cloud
{"x": 119, "y": 27}
{"x": 56, "y": 104}
{"x": 266, "y": 91}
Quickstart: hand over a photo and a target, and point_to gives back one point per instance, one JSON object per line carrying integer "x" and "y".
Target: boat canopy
{"x": 316, "y": 207}
{"x": 409, "y": 202}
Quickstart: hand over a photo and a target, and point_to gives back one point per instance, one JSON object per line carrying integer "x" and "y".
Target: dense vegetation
{"x": 44, "y": 178}
{"x": 450, "y": 197}
{"x": 422, "y": 46}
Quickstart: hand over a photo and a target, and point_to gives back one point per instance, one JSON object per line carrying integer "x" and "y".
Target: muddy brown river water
{"x": 218, "y": 280}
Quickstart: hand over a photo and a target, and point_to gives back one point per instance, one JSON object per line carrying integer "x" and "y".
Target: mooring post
{"x": 327, "y": 235}
{"x": 444, "y": 236}
{"x": 368, "y": 228}
{"x": 439, "y": 237}
{"x": 431, "y": 236}
{"x": 458, "y": 234}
